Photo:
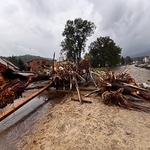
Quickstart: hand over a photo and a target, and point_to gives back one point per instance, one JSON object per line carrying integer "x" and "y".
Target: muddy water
{"x": 20, "y": 123}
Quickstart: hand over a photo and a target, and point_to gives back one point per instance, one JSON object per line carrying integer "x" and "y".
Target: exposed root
{"x": 68, "y": 75}
{"x": 117, "y": 98}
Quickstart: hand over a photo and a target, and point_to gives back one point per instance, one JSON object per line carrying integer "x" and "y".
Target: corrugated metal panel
{"x": 9, "y": 64}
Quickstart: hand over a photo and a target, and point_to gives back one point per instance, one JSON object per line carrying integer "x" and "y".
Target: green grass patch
{"x": 102, "y": 69}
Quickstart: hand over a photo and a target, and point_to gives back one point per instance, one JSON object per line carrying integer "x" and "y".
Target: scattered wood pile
{"x": 146, "y": 66}
{"x": 13, "y": 84}
{"x": 14, "y": 89}
{"x": 115, "y": 89}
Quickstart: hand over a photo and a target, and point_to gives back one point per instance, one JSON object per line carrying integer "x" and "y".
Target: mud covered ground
{"x": 68, "y": 125}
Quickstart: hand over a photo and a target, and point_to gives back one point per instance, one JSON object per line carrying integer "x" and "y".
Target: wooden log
{"x": 64, "y": 91}
{"x": 11, "y": 84}
{"x": 86, "y": 89}
{"x": 22, "y": 102}
{"x": 92, "y": 78}
{"x": 133, "y": 91}
{"x": 3, "y": 68}
{"x": 34, "y": 87}
{"x": 80, "y": 77}
{"x": 136, "y": 87}
{"x": 71, "y": 82}
{"x": 53, "y": 63}
{"x": 95, "y": 91}
{"x": 78, "y": 91}
{"x": 85, "y": 101}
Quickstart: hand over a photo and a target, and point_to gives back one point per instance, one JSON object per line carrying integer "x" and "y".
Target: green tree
{"x": 13, "y": 59}
{"x": 122, "y": 60}
{"x": 104, "y": 52}
{"x": 17, "y": 62}
{"x": 87, "y": 55}
{"x": 76, "y": 33}
{"x": 128, "y": 60}
{"x": 21, "y": 65}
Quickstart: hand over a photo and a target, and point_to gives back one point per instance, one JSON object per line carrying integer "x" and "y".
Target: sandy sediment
{"x": 72, "y": 126}
{"x": 68, "y": 125}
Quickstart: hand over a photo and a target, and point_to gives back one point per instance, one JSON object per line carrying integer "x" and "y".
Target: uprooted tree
{"x": 76, "y": 33}
{"x": 115, "y": 89}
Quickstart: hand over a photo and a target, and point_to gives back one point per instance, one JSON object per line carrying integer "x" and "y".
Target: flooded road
{"x": 16, "y": 129}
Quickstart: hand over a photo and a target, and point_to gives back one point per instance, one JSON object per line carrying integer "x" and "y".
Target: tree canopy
{"x": 104, "y": 52}
{"x": 128, "y": 60}
{"x": 76, "y": 33}
{"x": 17, "y": 61}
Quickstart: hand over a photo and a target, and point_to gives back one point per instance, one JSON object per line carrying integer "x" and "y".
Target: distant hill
{"x": 26, "y": 58}
{"x": 21, "y": 61}
{"x": 147, "y": 53}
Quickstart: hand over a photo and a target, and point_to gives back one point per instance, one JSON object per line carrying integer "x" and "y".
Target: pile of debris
{"x": 116, "y": 88}
{"x": 113, "y": 88}
{"x": 14, "y": 83}
{"x": 146, "y": 66}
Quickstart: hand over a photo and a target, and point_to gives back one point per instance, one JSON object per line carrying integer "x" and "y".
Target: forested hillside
{"x": 21, "y": 61}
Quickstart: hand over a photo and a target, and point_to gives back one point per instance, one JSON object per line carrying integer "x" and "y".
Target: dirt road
{"x": 140, "y": 75}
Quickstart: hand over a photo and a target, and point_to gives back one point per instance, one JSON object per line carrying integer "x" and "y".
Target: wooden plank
{"x": 78, "y": 91}
{"x": 85, "y": 101}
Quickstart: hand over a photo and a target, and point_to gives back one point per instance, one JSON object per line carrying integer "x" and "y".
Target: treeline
{"x": 102, "y": 52}
{"x": 21, "y": 61}
{"x": 17, "y": 61}
{"x": 126, "y": 60}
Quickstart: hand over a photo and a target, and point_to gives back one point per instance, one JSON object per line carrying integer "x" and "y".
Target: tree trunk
{"x": 133, "y": 91}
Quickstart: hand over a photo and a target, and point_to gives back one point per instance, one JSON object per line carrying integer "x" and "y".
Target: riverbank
{"x": 68, "y": 125}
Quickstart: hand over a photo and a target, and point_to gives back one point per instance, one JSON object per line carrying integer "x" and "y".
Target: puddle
{"x": 21, "y": 122}
{"x": 22, "y": 112}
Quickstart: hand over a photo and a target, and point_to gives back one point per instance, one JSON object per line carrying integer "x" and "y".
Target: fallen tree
{"x": 14, "y": 89}
{"x": 113, "y": 88}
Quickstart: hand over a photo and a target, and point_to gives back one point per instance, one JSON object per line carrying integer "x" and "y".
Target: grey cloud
{"x": 36, "y": 27}
{"x": 127, "y": 23}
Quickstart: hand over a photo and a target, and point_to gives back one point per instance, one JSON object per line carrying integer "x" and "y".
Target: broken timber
{"x": 133, "y": 91}
{"x": 109, "y": 86}
{"x": 22, "y": 102}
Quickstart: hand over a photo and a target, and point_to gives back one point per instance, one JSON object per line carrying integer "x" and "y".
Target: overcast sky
{"x": 35, "y": 26}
